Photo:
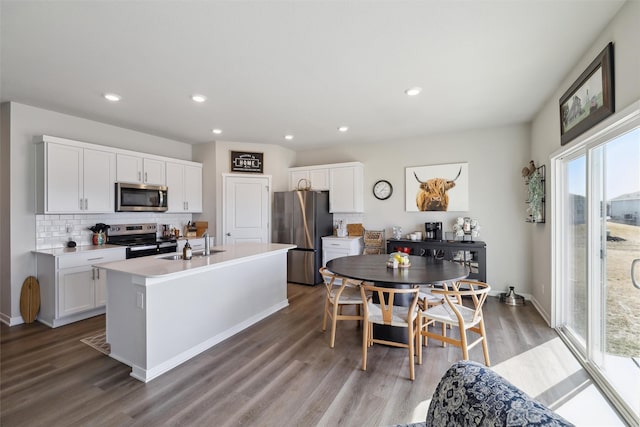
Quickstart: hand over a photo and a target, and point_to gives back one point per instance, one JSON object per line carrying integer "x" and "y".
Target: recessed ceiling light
{"x": 413, "y": 91}
{"x": 112, "y": 97}
{"x": 343, "y": 128}
{"x": 288, "y": 137}
{"x": 198, "y": 98}
{"x": 217, "y": 131}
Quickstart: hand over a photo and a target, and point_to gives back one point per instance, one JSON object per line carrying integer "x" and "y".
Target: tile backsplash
{"x": 347, "y": 218}
{"x": 51, "y": 230}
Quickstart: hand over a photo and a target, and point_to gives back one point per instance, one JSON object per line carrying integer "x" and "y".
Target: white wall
{"x": 497, "y": 191}
{"x": 25, "y": 122}
{"x": 276, "y": 162}
{"x": 5, "y": 226}
{"x": 206, "y": 154}
{"x": 624, "y": 32}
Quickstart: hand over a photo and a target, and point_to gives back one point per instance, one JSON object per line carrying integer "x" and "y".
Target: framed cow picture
{"x": 437, "y": 188}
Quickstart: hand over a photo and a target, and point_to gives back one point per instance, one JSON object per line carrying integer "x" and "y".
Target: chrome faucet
{"x": 207, "y": 250}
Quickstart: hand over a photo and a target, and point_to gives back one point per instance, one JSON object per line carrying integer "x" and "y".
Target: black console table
{"x": 473, "y": 255}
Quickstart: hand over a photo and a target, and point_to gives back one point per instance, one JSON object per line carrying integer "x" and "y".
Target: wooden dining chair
{"x": 453, "y": 312}
{"x": 340, "y": 292}
{"x": 385, "y": 313}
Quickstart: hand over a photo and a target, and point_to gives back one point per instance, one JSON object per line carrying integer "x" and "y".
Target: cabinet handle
{"x": 187, "y": 203}
{"x": 139, "y": 176}
{"x": 98, "y": 270}
{"x": 80, "y": 204}
{"x": 93, "y": 274}
{"x": 95, "y": 259}
{"x": 86, "y": 204}
{"x": 146, "y": 178}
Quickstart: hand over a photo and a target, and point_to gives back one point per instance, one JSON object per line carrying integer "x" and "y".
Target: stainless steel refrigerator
{"x": 302, "y": 218}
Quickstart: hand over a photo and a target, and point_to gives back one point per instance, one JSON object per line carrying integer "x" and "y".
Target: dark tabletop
{"x": 373, "y": 268}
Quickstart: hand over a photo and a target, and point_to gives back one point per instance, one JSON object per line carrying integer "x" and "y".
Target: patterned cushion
{"x": 470, "y": 394}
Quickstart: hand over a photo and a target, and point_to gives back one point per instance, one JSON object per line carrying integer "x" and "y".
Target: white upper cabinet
{"x": 138, "y": 169}
{"x": 73, "y": 179}
{"x": 346, "y": 188}
{"x": 318, "y": 177}
{"x": 77, "y": 177}
{"x": 99, "y": 173}
{"x": 343, "y": 180}
{"x": 184, "y": 182}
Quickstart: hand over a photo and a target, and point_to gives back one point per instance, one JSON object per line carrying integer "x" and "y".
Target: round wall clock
{"x": 382, "y": 189}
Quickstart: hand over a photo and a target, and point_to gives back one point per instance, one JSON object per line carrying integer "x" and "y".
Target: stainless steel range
{"x": 140, "y": 240}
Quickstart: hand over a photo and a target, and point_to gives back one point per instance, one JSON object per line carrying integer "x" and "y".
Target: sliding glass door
{"x": 597, "y": 241}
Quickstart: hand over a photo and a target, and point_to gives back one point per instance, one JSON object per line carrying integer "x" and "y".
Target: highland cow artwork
{"x": 437, "y": 188}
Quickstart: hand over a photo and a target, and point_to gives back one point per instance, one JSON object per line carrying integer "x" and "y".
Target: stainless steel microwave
{"x": 140, "y": 197}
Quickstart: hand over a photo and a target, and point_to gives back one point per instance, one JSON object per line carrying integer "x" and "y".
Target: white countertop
{"x": 77, "y": 249}
{"x": 343, "y": 238}
{"x": 155, "y": 266}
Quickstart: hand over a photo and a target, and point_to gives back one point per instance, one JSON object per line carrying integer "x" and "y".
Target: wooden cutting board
{"x": 355, "y": 229}
{"x": 30, "y": 299}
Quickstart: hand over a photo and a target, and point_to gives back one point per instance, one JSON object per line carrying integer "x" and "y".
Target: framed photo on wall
{"x": 437, "y": 188}
{"x": 590, "y": 99}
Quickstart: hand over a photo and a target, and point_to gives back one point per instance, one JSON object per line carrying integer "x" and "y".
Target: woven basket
{"x": 374, "y": 238}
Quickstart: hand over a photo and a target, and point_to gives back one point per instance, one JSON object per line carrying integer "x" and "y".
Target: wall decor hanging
{"x": 534, "y": 179}
{"x": 590, "y": 99}
{"x": 437, "y": 188}
{"x": 247, "y": 162}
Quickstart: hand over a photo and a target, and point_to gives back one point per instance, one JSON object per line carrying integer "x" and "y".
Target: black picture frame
{"x": 245, "y": 162}
{"x": 579, "y": 109}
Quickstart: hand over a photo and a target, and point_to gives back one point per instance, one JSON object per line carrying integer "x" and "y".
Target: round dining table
{"x": 422, "y": 271}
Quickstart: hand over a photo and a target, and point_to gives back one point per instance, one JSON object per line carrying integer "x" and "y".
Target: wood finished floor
{"x": 279, "y": 372}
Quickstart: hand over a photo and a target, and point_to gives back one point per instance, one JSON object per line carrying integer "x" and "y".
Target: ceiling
{"x": 270, "y": 68}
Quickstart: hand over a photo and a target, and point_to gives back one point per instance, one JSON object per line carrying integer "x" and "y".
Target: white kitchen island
{"x": 162, "y": 312}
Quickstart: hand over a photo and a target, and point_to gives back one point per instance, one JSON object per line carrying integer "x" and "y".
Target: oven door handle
{"x": 142, "y": 248}
{"x": 161, "y": 198}
{"x": 167, "y": 245}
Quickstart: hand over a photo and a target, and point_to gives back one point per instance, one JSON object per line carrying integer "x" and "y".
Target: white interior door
{"x": 246, "y": 201}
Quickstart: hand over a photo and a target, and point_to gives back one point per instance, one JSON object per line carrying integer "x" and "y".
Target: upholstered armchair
{"x": 470, "y": 394}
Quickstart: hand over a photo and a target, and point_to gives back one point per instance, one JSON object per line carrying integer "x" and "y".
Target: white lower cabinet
{"x": 76, "y": 290}
{"x": 71, "y": 288}
{"x": 336, "y": 247}
{"x": 197, "y": 244}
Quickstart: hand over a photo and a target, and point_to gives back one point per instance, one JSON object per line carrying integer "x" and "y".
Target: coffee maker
{"x": 433, "y": 231}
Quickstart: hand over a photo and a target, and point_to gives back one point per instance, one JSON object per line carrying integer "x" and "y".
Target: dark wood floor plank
{"x": 280, "y": 371}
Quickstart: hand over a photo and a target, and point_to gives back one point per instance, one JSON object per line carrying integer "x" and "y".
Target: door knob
{"x": 228, "y": 234}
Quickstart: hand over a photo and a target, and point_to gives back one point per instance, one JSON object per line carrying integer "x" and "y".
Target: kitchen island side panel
{"x": 184, "y": 316}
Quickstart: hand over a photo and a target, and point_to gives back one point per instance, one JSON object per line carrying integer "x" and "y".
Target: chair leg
{"x": 463, "y": 343}
{"x": 365, "y": 344}
{"x": 334, "y": 324}
{"x": 419, "y": 340}
{"x": 410, "y": 340}
{"x": 326, "y": 311}
{"x": 444, "y": 333}
{"x": 485, "y": 348}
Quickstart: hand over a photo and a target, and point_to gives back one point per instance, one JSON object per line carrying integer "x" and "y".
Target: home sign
{"x": 247, "y": 162}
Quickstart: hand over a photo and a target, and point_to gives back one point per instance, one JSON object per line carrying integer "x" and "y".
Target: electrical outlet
{"x": 140, "y": 300}
{"x": 69, "y": 228}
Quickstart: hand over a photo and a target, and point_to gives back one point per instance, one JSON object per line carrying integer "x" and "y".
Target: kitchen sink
{"x": 197, "y": 254}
